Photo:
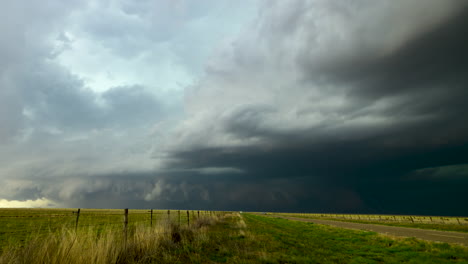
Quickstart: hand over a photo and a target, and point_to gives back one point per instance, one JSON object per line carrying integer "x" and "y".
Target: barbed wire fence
{"x": 413, "y": 219}
{"x": 81, "y": 219}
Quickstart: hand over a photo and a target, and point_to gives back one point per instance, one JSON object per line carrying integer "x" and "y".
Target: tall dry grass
{"x": 167, "y": 242}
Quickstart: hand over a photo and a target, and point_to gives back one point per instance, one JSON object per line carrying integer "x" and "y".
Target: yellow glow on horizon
{"x": 42, "y": 202}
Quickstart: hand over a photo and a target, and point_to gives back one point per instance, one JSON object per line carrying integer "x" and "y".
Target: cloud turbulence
{"x": 314, "y": 106}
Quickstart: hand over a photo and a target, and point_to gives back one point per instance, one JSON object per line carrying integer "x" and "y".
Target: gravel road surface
{"x": 426, "y": 234}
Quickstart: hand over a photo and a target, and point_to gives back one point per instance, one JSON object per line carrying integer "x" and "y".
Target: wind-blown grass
{"x": 166, "y": 243}
{"x": 18, "y": 226}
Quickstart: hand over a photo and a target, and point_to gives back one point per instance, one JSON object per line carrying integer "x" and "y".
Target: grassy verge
{"x": 440, "y": 227}
{"x": 284, "y": 241}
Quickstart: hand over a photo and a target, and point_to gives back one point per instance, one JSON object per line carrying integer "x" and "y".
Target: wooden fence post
{"x": 77, "y": 218}
{"x": 125, "y": 227}
{"x": 198, "y": 215}
{"x": 188, "y": 218}
{"x": 151, "y": 218}
{"x": 178, "y": 213}
{"x": 168, "y": 214}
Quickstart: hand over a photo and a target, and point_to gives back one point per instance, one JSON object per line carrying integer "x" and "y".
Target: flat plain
{"x": 35, "y": 235}
{"x": 17, "y": 226}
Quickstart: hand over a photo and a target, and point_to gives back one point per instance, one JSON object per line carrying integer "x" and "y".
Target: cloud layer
{"x": 350, "y": 106}
{"x": 345, "y": 98}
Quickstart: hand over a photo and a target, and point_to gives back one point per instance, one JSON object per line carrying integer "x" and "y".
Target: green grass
{"x": 285, "y": 241}
{"x": 432, "y": 226}
{"x": 232, "y": 238}
{"x": 17, "y": 226}
{"x": 166, "y": 242}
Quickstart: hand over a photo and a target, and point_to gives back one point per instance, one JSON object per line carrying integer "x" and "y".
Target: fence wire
{"x": 71, "y": 220}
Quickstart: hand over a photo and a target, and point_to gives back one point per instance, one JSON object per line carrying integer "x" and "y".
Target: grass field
{"x": 299, "y": 242}
{"x": 457, "y": 224}
{"x": 18, "y": 225}
{"x": 229, "y": 238}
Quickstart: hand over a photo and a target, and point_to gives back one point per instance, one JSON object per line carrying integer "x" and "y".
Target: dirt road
{"x": 431, "y": 235}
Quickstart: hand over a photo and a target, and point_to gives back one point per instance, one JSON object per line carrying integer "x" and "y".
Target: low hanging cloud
{"x": 332, "y": 73}
{"x": 82, "y": 100}
{"x": 347, "y": 98}
{"x": 53, "y": 127}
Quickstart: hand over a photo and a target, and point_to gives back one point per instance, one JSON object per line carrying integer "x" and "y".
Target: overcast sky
{"x": 317, "y": 106}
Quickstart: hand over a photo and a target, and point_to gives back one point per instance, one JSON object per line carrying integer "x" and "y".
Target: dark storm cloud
{"x": 87, "y": 87}
{"x": 54, "y": 130}
{"x": 343, "y": 106}
{"x": 52, "y": 98}
{"x": 22, "y": 40}
{"x": 433, "y": 64}
{"x": 131, "y": 103}
{"x": 175, "y": 190}
{"x": 37, "y": 93}
{"x": 58, "y": 98}
{"x": 347, "y": 126}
